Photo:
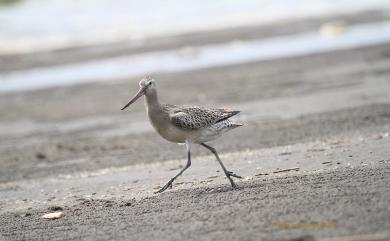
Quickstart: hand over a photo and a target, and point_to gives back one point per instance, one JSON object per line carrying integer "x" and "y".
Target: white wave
{"x": 194, "y": 58}
{"x": 43, "y": 25}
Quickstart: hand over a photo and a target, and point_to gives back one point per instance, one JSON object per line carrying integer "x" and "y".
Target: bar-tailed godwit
{"x": 185, "y": 124}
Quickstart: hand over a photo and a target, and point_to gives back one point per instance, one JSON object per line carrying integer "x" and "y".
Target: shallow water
{"x": 36, "y": 25}
{"x": 195, "y": 58}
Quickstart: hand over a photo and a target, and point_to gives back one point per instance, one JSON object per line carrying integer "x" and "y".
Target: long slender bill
{"x": 140, "y": 93}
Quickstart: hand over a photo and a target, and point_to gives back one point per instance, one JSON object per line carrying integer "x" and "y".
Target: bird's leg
{"x": 169, "y": 184}
{"x": 227, "y": 173}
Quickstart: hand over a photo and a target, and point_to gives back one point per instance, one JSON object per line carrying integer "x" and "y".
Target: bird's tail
{"x": 235, "y": 125}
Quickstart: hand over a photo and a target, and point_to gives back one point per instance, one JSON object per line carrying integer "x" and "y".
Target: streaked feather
{"x": 193, "y": 117}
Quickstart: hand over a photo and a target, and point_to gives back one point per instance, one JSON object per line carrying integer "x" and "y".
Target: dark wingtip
{"x": 229, "y": 114}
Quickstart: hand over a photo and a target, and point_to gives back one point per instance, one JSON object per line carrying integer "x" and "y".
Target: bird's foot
{"x": 231, "y": 174}
{"x": 234, "y": 186}
{"x": 168, "y": 185}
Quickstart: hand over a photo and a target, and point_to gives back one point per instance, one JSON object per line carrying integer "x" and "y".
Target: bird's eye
{"x": 150, "y": 83}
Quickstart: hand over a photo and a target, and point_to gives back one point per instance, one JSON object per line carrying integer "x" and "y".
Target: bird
{"x": 186, "y": 124}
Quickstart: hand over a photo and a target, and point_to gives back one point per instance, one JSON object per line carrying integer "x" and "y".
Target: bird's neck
{"x": 154, "y": 110}
{"x": 151, "y": 99}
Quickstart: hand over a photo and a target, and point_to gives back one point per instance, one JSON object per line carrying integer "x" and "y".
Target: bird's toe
{"x": 168, "y": 185}
{"x": 233, "y": 175}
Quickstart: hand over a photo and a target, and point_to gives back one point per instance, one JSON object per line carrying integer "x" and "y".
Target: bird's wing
{"x": 193, "y": 117}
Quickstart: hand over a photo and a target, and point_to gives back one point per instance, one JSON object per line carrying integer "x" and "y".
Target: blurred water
{"x": 194, "y": 58}
{"x": 35, "y": 25}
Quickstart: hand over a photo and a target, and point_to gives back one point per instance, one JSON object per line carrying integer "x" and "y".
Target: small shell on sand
{"x": 52, "y": 216}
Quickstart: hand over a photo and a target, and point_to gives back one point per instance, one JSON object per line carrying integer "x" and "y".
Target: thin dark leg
{"x": 227, "y": 173}
{"x": 169, "y": 184}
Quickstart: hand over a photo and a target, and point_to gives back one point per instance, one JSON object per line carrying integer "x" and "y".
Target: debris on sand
{"x": 261, "y": 174}
{"x": 40, "y": 156}
{"x": 52, "y": 216}
{"x": 384, "y": 161}
{"x": 287, "y": 170}
{"x": 55, "y": 208}
{"x": 212, "y": 177}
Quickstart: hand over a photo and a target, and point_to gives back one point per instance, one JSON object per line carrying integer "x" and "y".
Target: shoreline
{"x": 243, "y": 33}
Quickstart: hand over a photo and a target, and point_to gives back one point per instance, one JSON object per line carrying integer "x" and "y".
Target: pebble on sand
{"x": 52, "y": 216}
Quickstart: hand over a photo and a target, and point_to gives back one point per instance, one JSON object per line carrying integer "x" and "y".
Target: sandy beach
{"x": 313, "y": 151}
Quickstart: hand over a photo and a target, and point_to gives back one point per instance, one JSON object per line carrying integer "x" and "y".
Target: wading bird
{"x": 185, "y": 124}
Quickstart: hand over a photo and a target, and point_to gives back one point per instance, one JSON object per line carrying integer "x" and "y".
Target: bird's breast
{"x": 166, "y": 129}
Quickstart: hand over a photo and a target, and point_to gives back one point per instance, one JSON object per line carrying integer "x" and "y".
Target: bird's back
{"x": 194, "y": 117}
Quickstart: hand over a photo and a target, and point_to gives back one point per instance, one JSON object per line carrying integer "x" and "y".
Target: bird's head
{"x": 147, "y": 85}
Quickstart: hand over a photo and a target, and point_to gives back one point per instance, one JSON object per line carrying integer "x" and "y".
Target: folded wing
{"x": 193, "y": 117}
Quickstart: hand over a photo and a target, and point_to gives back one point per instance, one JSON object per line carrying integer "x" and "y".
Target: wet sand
{"x": 313, "y": 151}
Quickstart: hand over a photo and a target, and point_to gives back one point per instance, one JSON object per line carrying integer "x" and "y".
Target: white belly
{"x": 212, "y": 132}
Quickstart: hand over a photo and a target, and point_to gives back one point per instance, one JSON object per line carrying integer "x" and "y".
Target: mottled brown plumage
{"x": 194, "y": 117}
